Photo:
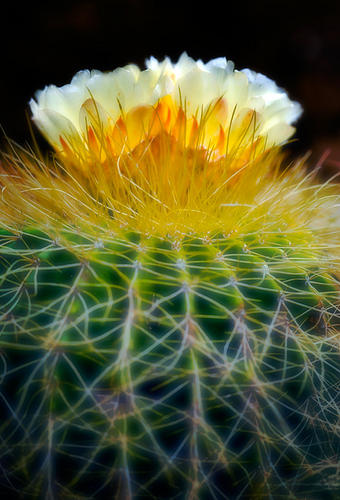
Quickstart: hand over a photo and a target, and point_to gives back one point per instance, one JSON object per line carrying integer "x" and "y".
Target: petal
{"x": 53, "y": 125}
{"x": 279, "y": 133}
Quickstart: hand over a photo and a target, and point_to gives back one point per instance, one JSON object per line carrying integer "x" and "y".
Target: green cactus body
{"x": 148, "y": 367}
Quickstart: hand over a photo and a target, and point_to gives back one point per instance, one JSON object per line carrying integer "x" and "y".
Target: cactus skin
{"x": 138, "y": 367}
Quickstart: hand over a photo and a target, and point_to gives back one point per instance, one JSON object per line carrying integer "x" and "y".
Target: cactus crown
{"x": 175, "y": 149}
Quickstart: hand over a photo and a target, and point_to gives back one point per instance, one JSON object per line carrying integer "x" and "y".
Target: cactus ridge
{"x": 148, "y": 367}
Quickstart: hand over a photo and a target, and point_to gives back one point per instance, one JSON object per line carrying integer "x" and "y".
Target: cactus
{"x": 170, "y": 316}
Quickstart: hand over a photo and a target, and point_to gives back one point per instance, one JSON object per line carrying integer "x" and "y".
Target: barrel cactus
{"x": 169, "y": 301}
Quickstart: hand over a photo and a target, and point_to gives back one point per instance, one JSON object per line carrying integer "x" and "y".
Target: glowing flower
{"x": 184, "y": 147}
{"x": 211, "y": 106}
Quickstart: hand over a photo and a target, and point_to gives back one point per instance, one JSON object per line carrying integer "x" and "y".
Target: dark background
{"x": 295, "y": 43}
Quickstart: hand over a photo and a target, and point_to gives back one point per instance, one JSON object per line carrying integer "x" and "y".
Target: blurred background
{"x": 297, "y": 43}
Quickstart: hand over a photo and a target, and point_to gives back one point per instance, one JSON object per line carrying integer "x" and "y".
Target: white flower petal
{"x": 54, "y": 125}
{"x": 279, "y": 133}
{"x": 60, "y": 111}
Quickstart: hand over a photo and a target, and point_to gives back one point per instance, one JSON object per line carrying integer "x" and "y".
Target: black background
{"x": 295, "y": 43}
